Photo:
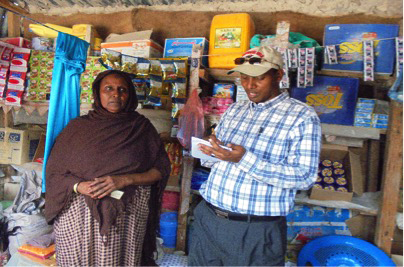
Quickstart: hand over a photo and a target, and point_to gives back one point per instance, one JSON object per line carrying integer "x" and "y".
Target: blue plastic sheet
{"x": 70, "y": 62}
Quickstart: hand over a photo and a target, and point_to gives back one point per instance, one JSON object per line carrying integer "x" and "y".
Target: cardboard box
{"x": 182, "y": 47}
{"x": 353, "y": 172}
{"x": 350, "y": 50}
{"x": 308, "y": 222}
{"x": 137, "y": 44}
{"x": 17, "y": 146}
{"x": 17, "y": 41}
{"x": 333, "y": 98}
{"x": 40, "y": 149}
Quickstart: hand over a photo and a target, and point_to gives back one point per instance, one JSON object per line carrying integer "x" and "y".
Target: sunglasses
{"x": 251, "y": 60}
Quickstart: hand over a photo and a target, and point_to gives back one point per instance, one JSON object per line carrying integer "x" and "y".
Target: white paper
{"x": 196, "y": 153}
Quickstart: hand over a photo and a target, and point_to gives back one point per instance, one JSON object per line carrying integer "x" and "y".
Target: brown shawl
{"x": 103, "y": 143}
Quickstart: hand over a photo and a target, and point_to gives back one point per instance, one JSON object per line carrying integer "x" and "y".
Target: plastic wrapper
{"x": 174, "y": 152}
{"x": 111, "y": 58}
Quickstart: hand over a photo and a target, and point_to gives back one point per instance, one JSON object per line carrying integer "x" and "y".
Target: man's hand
{"x": 233, "y": 155}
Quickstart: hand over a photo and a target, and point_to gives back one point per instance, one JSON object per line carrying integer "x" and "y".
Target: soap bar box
{"x": 349, "y": 38}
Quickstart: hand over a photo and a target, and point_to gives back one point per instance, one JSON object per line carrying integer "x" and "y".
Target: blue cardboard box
{"x": 333, "y": 98}
{"x": 182, "y": 47}
{"x": 349, "y": 38}
{"x": 308, "y": 222}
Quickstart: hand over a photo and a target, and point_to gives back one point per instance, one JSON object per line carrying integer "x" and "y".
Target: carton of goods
{"x": 333, "y": 98}
{"x": 182, "y": 47}
{"x": 17, "y": 146}
{"x": 230, "y": 36}
{"x": 137, "y": 44}
{"x": 341, "y": 169}
{"x": 350, "y": 38}
{"x": 17, "y": 41}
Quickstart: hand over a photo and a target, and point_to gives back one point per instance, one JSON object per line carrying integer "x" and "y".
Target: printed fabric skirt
{"x": 78, "y": 239}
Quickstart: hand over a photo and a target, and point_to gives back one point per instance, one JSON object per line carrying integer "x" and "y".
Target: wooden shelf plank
{"x": 351, "y": 131}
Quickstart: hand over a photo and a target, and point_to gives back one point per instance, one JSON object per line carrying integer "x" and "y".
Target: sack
{"x": 191, "y": 121}
{"x": 31, "y": 226}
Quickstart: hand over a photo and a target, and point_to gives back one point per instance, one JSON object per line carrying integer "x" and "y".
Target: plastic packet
{"x": 111, "y": 58}
{"x": 181, "y": 69}
{"x": 143, "y": 68}
{"x": 179, "y": 90}
{"x": 155, "y": 67}
{"x": 168, "y": 69}
{"x": 141, "y": 89}
{"x": 176, "y": 110}
{"x": 129, "y": 64}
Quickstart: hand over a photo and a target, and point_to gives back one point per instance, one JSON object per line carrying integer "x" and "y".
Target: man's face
{"x": 262, "y": 88}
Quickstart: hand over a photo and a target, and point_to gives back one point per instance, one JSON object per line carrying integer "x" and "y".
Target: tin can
{"x": 337, "y": 173}
{"x": 341, "y": 181}
{"x": 329, "y": 187}
{"x": 337, "y": 164}
{"x": 326, "y": 163}
{"x": 329, "y": 180}
{"x": 326, "y": 172}
{"x": 342, "y": 189}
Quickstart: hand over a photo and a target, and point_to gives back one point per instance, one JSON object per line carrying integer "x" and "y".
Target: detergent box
{"x": 182, "y": 47}
{"x": 333, "y": 98}
{"x": 349, "y": 39}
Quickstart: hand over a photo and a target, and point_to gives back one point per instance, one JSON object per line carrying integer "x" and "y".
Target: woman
{"x": 114, "y": 150}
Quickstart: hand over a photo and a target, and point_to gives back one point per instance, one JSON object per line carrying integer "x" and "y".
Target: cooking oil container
{"x": 230, "y": 36}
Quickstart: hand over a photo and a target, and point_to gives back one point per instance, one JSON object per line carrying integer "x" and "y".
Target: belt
{"x": 240, "y": 217}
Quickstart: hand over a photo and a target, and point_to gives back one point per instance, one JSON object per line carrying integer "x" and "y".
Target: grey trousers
{"x": 221, "y": 242}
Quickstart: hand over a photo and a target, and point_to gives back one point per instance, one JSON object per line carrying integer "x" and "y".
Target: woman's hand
{"x": 103, "y": 186}
{"x": 84, "y": 188}
{"x": 233, "y": 155}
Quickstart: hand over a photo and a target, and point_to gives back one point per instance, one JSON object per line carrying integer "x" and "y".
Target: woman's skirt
{"x": 78, "y": 239}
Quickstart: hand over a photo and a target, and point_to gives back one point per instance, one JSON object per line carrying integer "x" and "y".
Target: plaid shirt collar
{"x": 269, "y": 103}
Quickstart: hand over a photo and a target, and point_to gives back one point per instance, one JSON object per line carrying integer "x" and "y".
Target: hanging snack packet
{"x": 368, "y": 61}
{"x": 155, "y": 67}
{"x": 310, "y": 61}
{"x": 111, "y": 58}
{"x": 301, "y": 70}
{"x": 129, "y": 64}
{"x": 399, "y": 54}
{"x": 180, "y": 68}
{"x": 176, "y": 110}
{"x": 179, "y": 90}
{"x": 140, "y": 87}
{"x": 156, "y": 86}
{"x": 166, "y": 89}
{"x": 142, "y": 68}
{"x": 168, "y": 69}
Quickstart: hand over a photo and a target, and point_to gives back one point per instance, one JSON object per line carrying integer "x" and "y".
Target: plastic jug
{"x": 230, "y": 36}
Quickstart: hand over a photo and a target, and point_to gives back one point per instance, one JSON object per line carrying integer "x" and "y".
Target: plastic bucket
{"x": 168, "y": 228}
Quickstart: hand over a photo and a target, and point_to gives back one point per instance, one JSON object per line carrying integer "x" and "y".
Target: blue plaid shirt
{"x": 282, "y": 138}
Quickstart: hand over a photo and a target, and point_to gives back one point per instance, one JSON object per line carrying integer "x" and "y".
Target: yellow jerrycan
{"x": 230, "y": 36}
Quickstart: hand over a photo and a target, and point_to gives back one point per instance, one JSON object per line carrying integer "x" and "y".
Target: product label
{"x": 326, "y": 101}
{"x": 228, "y": 38}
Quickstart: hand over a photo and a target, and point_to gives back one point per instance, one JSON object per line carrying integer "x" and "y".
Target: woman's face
{"x": 114, "y": 93}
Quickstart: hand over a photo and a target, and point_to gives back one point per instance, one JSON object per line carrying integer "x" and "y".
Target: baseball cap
{"x": 258, "y": 61}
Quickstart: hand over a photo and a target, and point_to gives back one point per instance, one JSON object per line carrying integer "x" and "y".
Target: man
{"x": 275, "y": 143}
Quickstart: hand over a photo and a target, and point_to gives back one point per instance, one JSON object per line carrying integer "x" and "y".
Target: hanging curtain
{"x": 64, "y": 105}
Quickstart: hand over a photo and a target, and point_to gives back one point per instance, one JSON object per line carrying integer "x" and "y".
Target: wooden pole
{"x": 392, "y": 176}
{"x": 13, "y": 21}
